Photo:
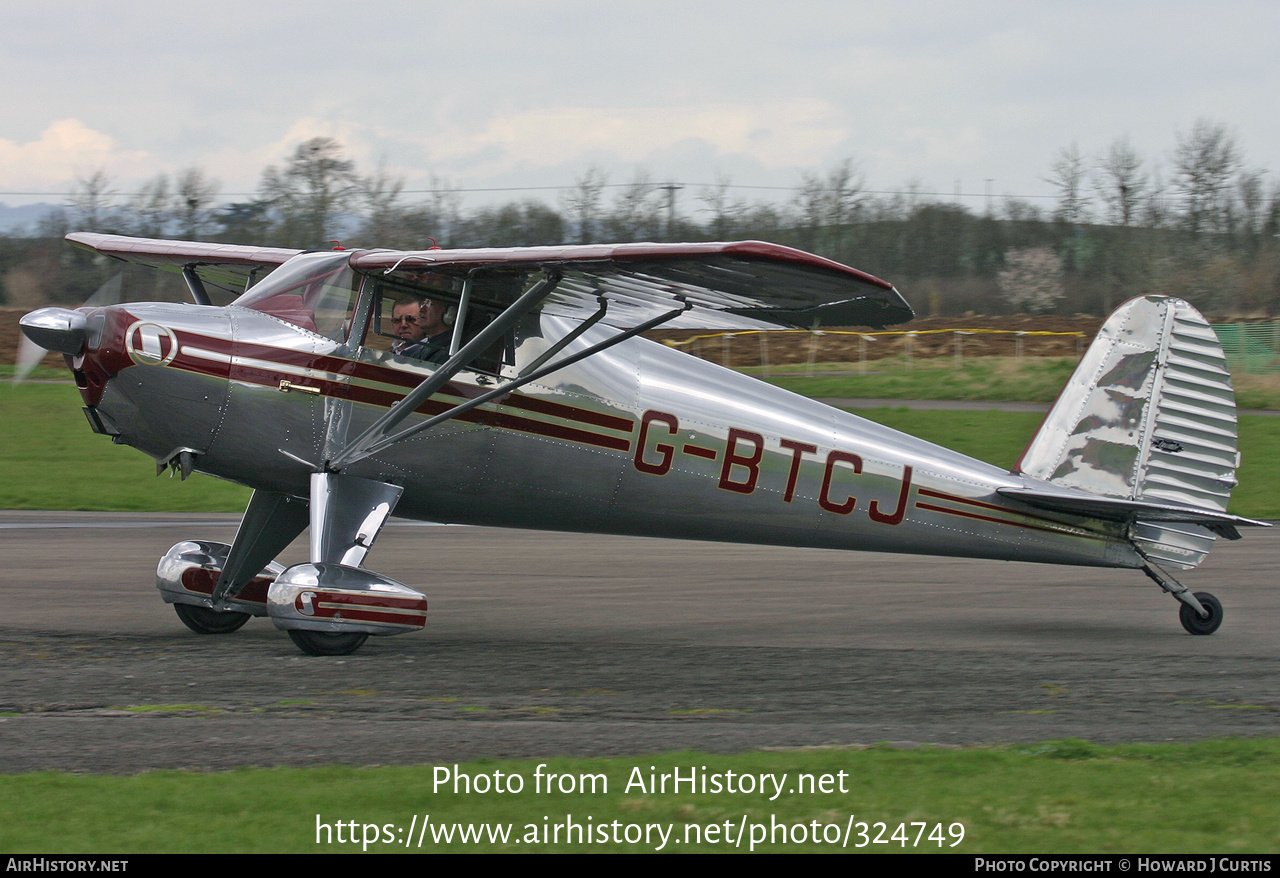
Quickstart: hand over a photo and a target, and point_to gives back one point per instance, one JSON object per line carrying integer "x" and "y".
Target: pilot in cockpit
{"x": 406, "y": 324}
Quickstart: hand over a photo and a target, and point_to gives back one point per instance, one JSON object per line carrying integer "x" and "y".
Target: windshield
{"x": 316, "y": 291}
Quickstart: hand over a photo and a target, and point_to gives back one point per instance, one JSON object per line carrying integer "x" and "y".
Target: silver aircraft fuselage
{"x": 639, "y": 439}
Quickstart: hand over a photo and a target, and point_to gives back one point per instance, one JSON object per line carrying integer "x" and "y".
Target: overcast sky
{"x": 499, "y": 93}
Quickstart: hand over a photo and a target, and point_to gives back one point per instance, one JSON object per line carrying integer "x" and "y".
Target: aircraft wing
{"x": 739, "y": 285}
{"x": 228, "y": 266}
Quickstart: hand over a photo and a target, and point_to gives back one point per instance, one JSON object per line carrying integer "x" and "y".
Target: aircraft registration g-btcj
{"x": 545, "y": 410}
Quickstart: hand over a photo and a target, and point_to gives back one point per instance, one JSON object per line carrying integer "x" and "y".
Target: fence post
{"x": 813, "y": 350}
{"x": 862, "y": 350}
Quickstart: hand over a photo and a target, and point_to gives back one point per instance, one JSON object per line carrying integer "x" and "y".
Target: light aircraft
{"x": 545, "y": 409}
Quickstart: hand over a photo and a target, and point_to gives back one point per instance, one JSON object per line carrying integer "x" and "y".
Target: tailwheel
{"x": 323, "y": 643}
{"x": 203, "y": 620}
{"x": 1197, "y": 624}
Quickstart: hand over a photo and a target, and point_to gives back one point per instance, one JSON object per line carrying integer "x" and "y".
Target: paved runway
{"x": 544, "y": 644}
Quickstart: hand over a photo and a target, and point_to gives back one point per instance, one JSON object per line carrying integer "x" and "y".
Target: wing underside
{"x": 740, "y": 285}
{"x": 736, "y": 285}
{"x": 231, "y": 267}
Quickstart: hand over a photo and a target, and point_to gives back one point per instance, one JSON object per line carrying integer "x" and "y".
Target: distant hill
{"x": 20, "y": 220}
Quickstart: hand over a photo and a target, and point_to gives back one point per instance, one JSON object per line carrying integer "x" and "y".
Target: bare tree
{"x": 1121, "y": 181}
{"x": 383, "y": 215}
{"x": 150, "y": 208}
{"x": 194, "y": 202}
{"x": 1017, "y": 210}
{"x": 582, "y": 203}
{"x": 826, "y": 205}
{"x": 310, "y": 191}
{"x": 1155, "y": 210}
{"x": 90, "y": 201}
{"x": 1068, "y": 175}
{"x": 515, "y": 224}
{"x": 1205, "y": 161}
{"x": 1252, "y": 195}
{"x": 725, "y": 212}
{"x": 435, "y": 221}
{"x": 636, "y": 214}
{"x": 844, "y": 193}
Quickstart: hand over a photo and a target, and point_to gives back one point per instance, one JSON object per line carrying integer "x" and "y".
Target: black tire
{"x": 203, "y": 620}
{"x": 323, "y": 643}
{"x": 1191, "y": 619}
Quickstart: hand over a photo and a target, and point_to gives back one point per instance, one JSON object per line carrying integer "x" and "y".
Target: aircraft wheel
{"x": 1191, "y": 619}
{"x": 322, "y": 643}
{"x": 203, "y": 620}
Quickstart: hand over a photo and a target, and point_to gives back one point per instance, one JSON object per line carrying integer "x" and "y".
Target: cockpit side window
{"x": 316, "y": 291}
{"x": 432, "y": 297}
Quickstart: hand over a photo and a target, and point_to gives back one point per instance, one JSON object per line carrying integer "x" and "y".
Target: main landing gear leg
{"x": 1200, "y": 613}
{"x": 270, "y": 524}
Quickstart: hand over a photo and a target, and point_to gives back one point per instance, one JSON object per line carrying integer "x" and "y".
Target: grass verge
{"x": 1000, "y": 437}
{"x": 999, "y": 379}
{"x": 1056, "y": 797}
{"x": 51, "y": 460}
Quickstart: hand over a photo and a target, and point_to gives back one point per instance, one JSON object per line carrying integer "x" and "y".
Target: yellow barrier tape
{"x": 912, "y": 332}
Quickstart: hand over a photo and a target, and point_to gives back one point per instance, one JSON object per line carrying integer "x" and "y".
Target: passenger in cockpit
{"x": 433, "y": 345}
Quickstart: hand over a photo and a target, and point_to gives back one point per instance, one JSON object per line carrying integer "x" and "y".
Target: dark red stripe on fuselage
{"x": 1047, "y": 525}
{"x": 266, "y": 377}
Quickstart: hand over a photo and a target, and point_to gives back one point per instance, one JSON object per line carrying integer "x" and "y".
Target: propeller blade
{"x": 110, "y": 293}
{"x": 29, "y": 356}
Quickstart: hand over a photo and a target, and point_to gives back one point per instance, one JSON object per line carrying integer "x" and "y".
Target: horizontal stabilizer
{"x": 1119, "y": 509}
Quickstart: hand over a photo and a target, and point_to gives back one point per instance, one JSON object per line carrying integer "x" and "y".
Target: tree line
{"x": 1205, "y": 226}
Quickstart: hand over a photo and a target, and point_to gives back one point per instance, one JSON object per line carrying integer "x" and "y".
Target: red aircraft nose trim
{"x": 108, "y": 358}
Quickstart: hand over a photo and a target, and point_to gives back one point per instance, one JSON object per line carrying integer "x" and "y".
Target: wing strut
{"x": 195, "y": 285}
{"x": 530, "y": 373}
{"x": 375, "y": 438}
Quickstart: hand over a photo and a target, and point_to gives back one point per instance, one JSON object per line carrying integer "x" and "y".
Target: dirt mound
{"x": 978, "y": 336}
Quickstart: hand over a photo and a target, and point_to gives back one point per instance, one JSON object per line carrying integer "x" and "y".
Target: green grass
{"x": 1031, "y": 379}
{"x": 1056, "y": 797}
{"x": 992, "y": 436}
{"x": 1000, "y": 437}
{"x": 39, "y": 373}
{"x": 999, "y": 379}
{"x": 51, "y": 460}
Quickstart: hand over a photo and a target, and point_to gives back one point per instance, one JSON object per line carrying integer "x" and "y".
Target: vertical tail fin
{"x": 1148, "y": 415}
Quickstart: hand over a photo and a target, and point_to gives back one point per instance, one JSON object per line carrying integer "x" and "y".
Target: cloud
{"x": 65, "y": 150}
{"x": 780, "y": 135}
